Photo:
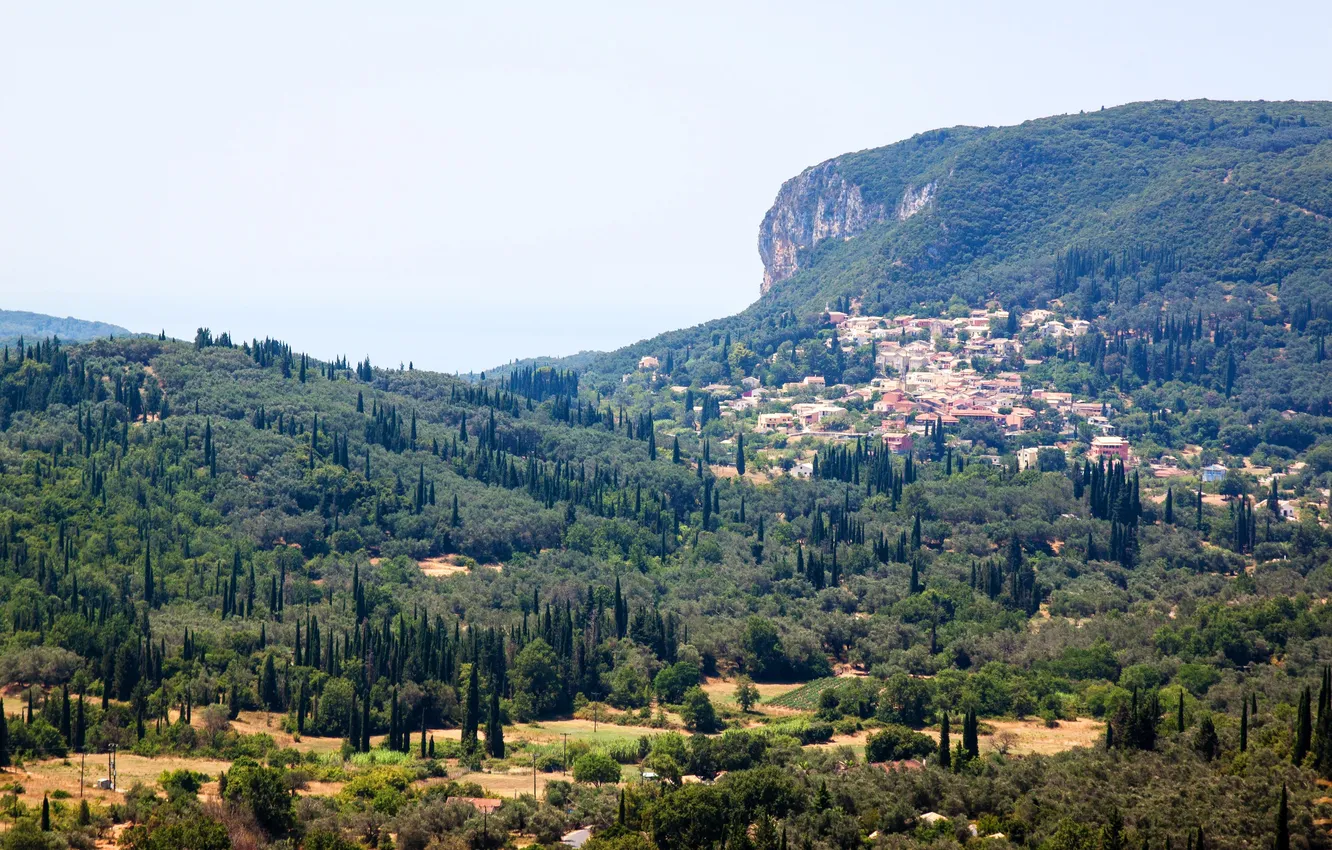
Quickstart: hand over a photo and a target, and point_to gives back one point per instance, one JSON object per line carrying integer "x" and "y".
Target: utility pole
{"x": 534, "y": 793}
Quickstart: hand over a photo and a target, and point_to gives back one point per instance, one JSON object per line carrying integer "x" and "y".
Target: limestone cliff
{"x": 817, "y": 204}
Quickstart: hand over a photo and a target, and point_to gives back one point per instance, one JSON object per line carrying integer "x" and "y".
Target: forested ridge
{"x": 1136, "y": 215}
{"x": 339, "y": 603}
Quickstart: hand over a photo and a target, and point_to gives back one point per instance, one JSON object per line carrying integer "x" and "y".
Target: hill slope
{"x": 1129, "y": 213}
{"x": 355, "y": 557}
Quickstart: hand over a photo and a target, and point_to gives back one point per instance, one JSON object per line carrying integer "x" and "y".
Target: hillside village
{"x": 981, "y": 371}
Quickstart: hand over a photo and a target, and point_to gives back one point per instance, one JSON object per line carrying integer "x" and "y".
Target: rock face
{"x": 817, "y": 204}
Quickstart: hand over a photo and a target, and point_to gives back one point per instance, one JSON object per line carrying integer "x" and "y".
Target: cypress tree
{"x": 471, "y": 711}
{"x": 740, "y": 455}
{"x": 970, "y": 737}
{"x": 945, "y": 756}
{"x": 364, "y": 743}
{"x": 66, "y": 724}
{"x": 1244, "y": 727}
{"x": 4, "y": 740}
{"x": 1303, "y": 729}
{"x": 46, "y": 814}
{"x": 148, "y": 590}
{"x": 269, "y": 686}
{"x": 1282, "y": 841}
{"x": 494, "y": 729}
{"x": 80, "y": 726}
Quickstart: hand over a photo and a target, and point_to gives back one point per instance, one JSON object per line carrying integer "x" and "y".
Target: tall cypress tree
{"x": 1244, "y": 727}
{"x": 1282, "y": 841}
{"x": 364, "y": 743}
{"x": 945, "y": 755}
{"x": 970, "y": 736}
{"x": 494, "y": 728}
{"x": 268, "y": 685}
{"x": 148, "y": 589}
{"x": 66, "y": 724}
{"x": 471, "y": 711}
{"x": 1303, "y": 729}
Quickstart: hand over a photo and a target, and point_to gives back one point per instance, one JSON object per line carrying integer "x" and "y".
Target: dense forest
{"x": 342, "y": 605}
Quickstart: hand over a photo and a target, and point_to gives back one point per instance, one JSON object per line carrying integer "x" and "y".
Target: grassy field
{"x": 552, "y": 731}
{"x": 722, "y": 692}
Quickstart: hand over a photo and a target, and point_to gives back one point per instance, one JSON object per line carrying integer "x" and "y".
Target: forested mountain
{"x": 1138, "y": 214}
{"x": 18, "y": 323}
{"x": 1000, "y": 520}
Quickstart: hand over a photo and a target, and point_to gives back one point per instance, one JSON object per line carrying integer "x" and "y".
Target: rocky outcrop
{"x": 914, "y": 200}
{"x": 817, "y": 204}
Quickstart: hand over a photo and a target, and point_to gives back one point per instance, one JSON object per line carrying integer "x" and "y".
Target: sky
{"x": 457, "y": 185}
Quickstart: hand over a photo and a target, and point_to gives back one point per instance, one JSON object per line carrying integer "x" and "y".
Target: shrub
{"x": 894, "y": 743}
{"x": 596, "y": 767}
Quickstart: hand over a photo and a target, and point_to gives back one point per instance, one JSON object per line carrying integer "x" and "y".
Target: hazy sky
{"x": 458, "y": 186}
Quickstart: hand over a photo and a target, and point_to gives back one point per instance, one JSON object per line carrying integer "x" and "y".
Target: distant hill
{"x": 17, "y": 323}
{"x": 1132, "y": 215}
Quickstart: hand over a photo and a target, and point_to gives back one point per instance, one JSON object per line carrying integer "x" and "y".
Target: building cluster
{"x": 926, "y": 376}
{"x": 924, "y": 381}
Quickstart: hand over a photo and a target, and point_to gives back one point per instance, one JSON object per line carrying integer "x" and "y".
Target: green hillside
{"x": 1137, "y": 214}
{"x": 1043, "y": 564}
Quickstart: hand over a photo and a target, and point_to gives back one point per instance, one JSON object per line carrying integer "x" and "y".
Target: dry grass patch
{"x": 1032, "y": 736}
{"x": 722, "y": 692}
{"x": 43, "y": 777}
{"x": 511, "y": 784}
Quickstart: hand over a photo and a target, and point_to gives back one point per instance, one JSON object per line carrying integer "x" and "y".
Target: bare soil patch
{"x": 444, "y": 566}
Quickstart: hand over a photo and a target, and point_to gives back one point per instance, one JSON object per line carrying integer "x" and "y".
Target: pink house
{"x": 897, "y": 442}
{"x": 1109, "y": 447}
